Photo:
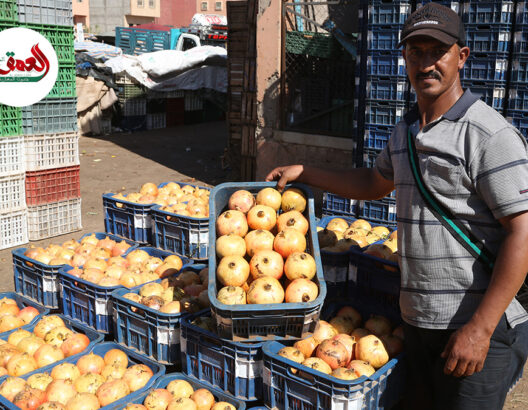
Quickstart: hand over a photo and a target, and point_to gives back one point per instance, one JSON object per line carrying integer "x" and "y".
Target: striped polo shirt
{"x": 476, "y": 165}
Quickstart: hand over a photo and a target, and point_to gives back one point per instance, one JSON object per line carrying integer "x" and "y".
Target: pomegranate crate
{"x": 38, "y": 281}
{"x": 233, "y": 367}
{"x": 52, "y": 185}
{"x": 147, "y": 331}
{"x": 51, "y": 151}
{"x": 12, "y": 193}
{"x": 180, "y": 234}
{"x": 100, "y": 349}
{"x": 93, "y": 337}
{"x": 12, "y": 159}
{"x": 58, "y": 218}
{"x": 163, "y": 382}
{"x": 264, "y": 321}
{"x": 89, "y": 303}
{"x": 22, "y": 302}
{"x": 290, "y": 385}
{"x": 13, "y": 229}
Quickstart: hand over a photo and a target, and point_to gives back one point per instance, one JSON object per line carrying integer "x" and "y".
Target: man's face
{"x": 432, "y": 66}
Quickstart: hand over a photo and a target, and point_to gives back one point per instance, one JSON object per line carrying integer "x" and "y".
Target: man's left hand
{"x": 466, "y": 351}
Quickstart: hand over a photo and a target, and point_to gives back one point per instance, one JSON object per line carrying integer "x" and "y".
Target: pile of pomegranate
{"x": 261, "y": 254}
{"x": 77, "y": 253}
{"x": 343, "y": 349}
{"x": 12, "y": 317}
{"x": 91, "y": 383}
{"x": 180, "y": 395}
{"x": 134, "y": 269}
{"x": 185, "y": 293}
{"x": 49, "y": 342}
{"x": 183, "y": 200}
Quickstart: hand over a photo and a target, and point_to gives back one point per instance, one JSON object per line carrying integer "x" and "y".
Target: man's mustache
{"x": 432, "y": 74}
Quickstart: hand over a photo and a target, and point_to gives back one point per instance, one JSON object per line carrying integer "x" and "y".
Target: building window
{"x": 152, "y": 3}
{"x": 204, "y": 6}
{"x": 218, "y": 5}
{"x": 140, "y": 3}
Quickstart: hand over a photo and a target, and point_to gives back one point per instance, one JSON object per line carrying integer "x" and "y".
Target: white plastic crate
{"x": 58, "y": 218}
{"x": 156, "y": 121}
{"x": 13, "y": 229}
{"x": 51, "y": 151}
{"x": 12, "y": 160}
{"x": 12, "y": 193}
{"x": 133, "y": 107}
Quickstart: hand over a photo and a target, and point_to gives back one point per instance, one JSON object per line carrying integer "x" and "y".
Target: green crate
{"x": 8, "y": 10}
{"x": 65, "y": 86}
{"x": 313, "y": 44}
{"x": 10, "y": 120}
{"x": 128, "y": 91}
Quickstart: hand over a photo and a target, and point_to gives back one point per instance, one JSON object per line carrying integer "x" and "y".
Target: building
{"x": 81, "y": 12}
{"x": 106, "y": 15}
{"x": 178, "y": 13}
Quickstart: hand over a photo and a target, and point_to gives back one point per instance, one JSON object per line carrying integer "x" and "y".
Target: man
{"x": 466, "y": 335}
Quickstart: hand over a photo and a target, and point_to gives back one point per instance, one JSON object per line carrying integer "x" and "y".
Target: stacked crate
{"x": 48, "y": 129}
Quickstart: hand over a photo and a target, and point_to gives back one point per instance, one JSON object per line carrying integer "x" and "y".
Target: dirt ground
{"x": 123, "y": 162}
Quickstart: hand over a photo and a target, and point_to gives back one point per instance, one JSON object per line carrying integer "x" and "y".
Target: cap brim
{"x": 429, "y": 32}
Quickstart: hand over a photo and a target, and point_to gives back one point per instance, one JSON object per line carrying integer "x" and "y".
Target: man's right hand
{"x": 286, "y": 174}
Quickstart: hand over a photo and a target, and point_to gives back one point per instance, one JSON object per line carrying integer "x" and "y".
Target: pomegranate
{"x": 88, "y": 383}
{"x": 7, "y": 351}
{"x": 30, "y": 344}
{"x": 293, "y": 219}
{"x": 316, "y": 363}
{"x": 92, "y": 275}
{"x": 137, "y": 376}
{"x": 90, "y": 363}
{"x": 262, "y": 217}
{"x": 381, "y": 231}
{"x": 7, "y": 309}
{"x": 57, "y": 335}
{"x": 116, "y": 357}
{"x": 137, "y": 257}
{"x": 120, "y": 248}
{"x": 258, "y": 240}
{"x": 48, "y": 354}
{"x": 232, "y": 295}
{"x": 342, "y": 324}
{"x": 39, "y": 381}
{"x": 65, "y": 371}
{"x": 232, "y": 271}
{"x": 337, "y": 224}
{"x": 301, "y": 291}
{"x": 158, "y": 399}
{"x": 20, "y": 364}
{"x": 61, "y": 391}
{"x": 361, "y": 368}
{"x": 17, "y": 336}
{"x": 232, "y": 222}
{"x": 307, "y": 346}
{"x": 327, "y": 238}
{"x": 27, "y": 314}
{"x": 370, "y": 349}
{"x": 29, "y": 398}
{"x": 203, "y": 398}
{"x": 379, "y": 251}
{"x": 323, "y": 331}
{"x": 371, "y": 238}
{"x": 289, "y": 241}
{"x": 223, "y": 405}
{"x": 153, "y": 302}
{"x": 291, "y": 353}
{"x": 112, "y": 391}
{"x": 183, "y": 403}
{"x": 359, "y": 332}
{"x": 300, "y": 265}
{"x": 84, "y": 401}
{"x": 52, "y": 405}
{"x": 11, "y": 387}
{"x": 241, "y": 200}
{"x": 345, "y": 374}
{"x": 393, "y": 345}
{"x": 130, "y": 279}
{"x": 266, "y": 263}
{"x": 180, "y": 388}
{"x": 265, "y": 290}
{"x": 269, "y": 197}
{"x": 393, "y": 236}
{"x": 333, "y": 352}
{"x": 347, "y": 341}
{"x": 10, "y": 322}
{"x": 398, "y": 331}
{"x": 230, "y": 244}
{"x": 293, "y": 199}
{"x": 171, "y": 307}
{"x": 151, "y": 289}
{"x": 110, "y": 373}
{"x": 378, "y": 325}
{"x": 350, "y": 313}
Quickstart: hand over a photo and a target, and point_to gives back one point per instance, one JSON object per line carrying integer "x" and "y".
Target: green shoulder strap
{"x": 462, "y": 234}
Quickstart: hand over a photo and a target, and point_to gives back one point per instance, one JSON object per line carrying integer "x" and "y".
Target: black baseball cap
{"x": 437, "y": 21}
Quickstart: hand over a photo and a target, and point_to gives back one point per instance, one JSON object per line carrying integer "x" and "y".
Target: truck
{"x": 205, "y": 29}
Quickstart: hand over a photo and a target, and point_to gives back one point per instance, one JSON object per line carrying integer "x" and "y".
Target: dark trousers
{"x": 429, "y": 388}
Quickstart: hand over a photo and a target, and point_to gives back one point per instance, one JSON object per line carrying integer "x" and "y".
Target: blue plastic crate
{"x": 40, "y": 282}
{"x": 388, "y": 12}
{"x": 183, "y": 235}
{"x": 149, "y": 332}
{"x": 89, "y": 303}
{"x": 383, "y": 38}
{"x": 492, "y": 93}
{"x": 386, "y": 63}
{"x": 384, "y": 113}
{"x": 387, "y": 89}
{"x": 267, "y": 321}
{"x": 519, "y": 70}
{"x": 337, "y": 205}
{"x": 483, "y": 12}
{"x": 488, "y": 38}
{"x": 485, "y": 67}
{"x": 521, "y": 13}
{"x": 520, "y": 41}
{"x": 518, "y": 97}
{"x": 382, "y": 211}
{"x": 92, "y": 335}
{"x": 519, "y": 119}
{"x": 233, "y": 367}
{"x": 163, "y": 382}
{"x": 50, "y": 116}
{"x": 453, "y": 5}
{"x": 376, "y": 137}
{"x": 369, "y": 157}
{"x": 22, "y": 302}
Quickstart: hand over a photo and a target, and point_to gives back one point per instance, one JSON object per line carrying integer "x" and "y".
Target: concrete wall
{"x": 81, "y": 12}
{"x": 176, "y": 13}
{"x": 211, "y": 7}
{"x": 106, "y": 15}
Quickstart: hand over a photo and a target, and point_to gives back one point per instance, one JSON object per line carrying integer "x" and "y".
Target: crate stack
{"x": 48, "y": 193}
{"x": 517, "y": 109}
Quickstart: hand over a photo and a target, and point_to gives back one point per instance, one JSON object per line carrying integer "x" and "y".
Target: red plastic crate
{"x": 52, "y": 185}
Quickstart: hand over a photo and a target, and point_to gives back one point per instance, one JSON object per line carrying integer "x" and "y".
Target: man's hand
{"x": 466, "y": 351}
{"x": 283, "y": 175}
